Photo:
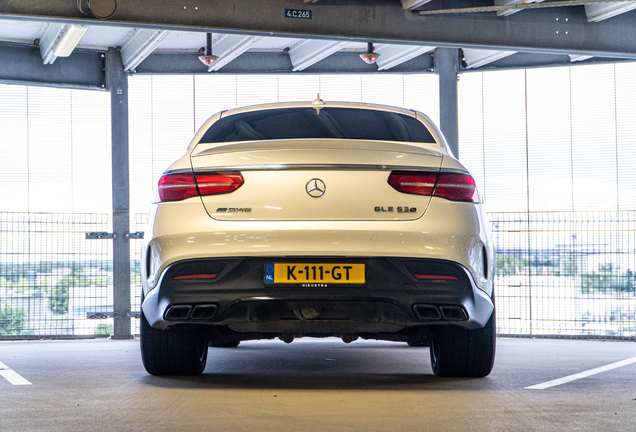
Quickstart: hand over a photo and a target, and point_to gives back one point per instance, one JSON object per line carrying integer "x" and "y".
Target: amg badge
{"x": 234, "y": 210}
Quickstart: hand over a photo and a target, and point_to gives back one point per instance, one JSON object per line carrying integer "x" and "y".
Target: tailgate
{"x": 303, "y": 180}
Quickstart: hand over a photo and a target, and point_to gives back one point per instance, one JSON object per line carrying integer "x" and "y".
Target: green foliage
{"x": 507, "y": 265}
{"x": 568, "y": 265}
{"x": 607, "y": 279}
{"x": 11, "y": 320}
{"x": 59, "y": 295}
{"x": 104, "y": 329}
{"x": 590, "y": 282}
{"x": 6, "y": 284}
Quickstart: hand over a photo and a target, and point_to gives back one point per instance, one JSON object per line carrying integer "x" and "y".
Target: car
{"x": 317, "y": 219}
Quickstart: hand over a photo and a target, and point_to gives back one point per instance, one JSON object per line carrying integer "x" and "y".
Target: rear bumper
{"x": 449, "y": 231}
{"x": 392, "y": 298}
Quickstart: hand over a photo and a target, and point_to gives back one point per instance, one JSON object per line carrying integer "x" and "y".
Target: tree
{"x": 607, "y": 279}
{"x": 59, "y": 295}
{"x": 11, "y": 320}
{"x": 507, "y": 265}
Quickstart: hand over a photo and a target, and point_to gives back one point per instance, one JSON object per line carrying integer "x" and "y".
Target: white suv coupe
{"x": 317, "y": 219}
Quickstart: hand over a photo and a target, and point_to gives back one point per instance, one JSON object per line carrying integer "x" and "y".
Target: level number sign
{"x": 297, "y": 13}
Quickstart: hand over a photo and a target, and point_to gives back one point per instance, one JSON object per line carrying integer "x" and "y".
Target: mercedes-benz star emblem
{"x": 315, "y": 188}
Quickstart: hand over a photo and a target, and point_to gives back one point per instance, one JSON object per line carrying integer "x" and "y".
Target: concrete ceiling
{"x": 60, "y": 41}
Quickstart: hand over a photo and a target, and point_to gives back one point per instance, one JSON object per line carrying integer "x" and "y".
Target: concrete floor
{"x": 316, "y": 385}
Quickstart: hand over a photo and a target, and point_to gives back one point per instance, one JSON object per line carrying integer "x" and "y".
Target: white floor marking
{"x": 10, "y": 375}
{"x": 585, "y": 374}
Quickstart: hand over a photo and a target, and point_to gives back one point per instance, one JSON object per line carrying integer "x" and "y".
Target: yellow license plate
{"x": 287, "y": 273}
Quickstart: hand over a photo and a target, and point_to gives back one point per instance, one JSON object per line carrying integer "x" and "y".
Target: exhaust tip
{"x": 181, "y": 312}
{"x": 427, "y": 312}
{"x": 203, "y": 312}
{"x": 453, "y": 313}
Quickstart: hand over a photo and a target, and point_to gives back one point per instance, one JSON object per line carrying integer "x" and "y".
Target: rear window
{"x": 299, "y": 123}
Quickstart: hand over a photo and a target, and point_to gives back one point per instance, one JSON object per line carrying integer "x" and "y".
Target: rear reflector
{"x": 177, "y": 187}
{"x": 452, "y": 186}
{"x": 434, "y": 277}
{"x": 196, "y": 276}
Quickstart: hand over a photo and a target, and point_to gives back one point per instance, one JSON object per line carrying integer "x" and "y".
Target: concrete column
{"x": 117, "y": 84}
{"x": 447, "y": 67}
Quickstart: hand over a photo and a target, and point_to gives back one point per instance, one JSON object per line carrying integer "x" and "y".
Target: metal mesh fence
{"x": 566, "y": 274}
{"x": 138, "y": 225}
{"x": 51, "y": 276}
{"x": 559, "y": 275}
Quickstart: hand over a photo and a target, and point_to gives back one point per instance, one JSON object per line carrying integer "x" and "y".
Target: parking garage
{"x": 535, "y": 99}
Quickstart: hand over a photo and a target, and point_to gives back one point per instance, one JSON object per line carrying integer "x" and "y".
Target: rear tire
{"x": 232, "y": 344}
{"x": 459, "y": 352}
{"x": 177, "y": 350}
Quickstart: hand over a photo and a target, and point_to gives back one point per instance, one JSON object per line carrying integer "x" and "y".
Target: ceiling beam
{"x": 140, "y": 45}
{"x": 600, "y": 12}
{"x": 579, "y": 58}
{"x": 228, "y": 47}
{"x": 22, "y": 64}
{"x": 517, "y": 5}
{"x": 393, "y": 55}
{"x": 507, "y": 12}
{"x": 478, "y": 58}
{"x": 532, "y": 60}
{"x": 412, "y": 4}
{"x": 311, "y": 51}
{"x": 375, "y": 21}
{"x": 277, "y": 63}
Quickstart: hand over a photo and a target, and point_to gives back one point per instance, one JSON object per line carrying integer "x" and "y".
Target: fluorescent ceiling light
{"x": 68, "y": 39}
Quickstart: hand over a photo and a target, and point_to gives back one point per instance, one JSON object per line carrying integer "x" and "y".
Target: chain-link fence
{"x": 138, "y": 225}
{"x": 559, "y": 274}
{"x": 566, "y": 274}
{"x": 52, "y": 278}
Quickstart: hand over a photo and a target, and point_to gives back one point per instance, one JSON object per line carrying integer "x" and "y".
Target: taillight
{"x": 457, "y": 187}
{"x": 216, "y": 184}
{"x": 413, "y": 183}
{"x": 452, "y": 186}
{"x": 177, "y": 187}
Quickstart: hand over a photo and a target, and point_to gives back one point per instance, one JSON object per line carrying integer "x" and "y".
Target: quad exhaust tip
{"x": 188, "y": 312}
{"x": 428, "y": 312}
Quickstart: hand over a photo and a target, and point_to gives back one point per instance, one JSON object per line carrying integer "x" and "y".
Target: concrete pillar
{"x": 117, "y": 84}
{"x": 447, "y": 67}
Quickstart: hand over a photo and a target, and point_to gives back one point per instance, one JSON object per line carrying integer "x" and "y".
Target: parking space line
{"x": 12, "y": 376}
{"x": 578, "y": 376}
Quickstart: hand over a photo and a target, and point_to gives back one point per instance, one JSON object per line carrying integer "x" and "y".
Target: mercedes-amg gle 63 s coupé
{"x": 317, "y": 219}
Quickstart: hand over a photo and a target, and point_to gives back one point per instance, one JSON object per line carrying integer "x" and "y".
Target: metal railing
{"x": 559, "y": 275}
{"x": 566, "y": 274}
{"x": 52, "y": 277}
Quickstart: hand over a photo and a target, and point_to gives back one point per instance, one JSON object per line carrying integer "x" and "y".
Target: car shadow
{"x": 366, "y": 366}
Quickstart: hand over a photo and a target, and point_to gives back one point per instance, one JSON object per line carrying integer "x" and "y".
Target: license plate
{"x": 314, "y": 273}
